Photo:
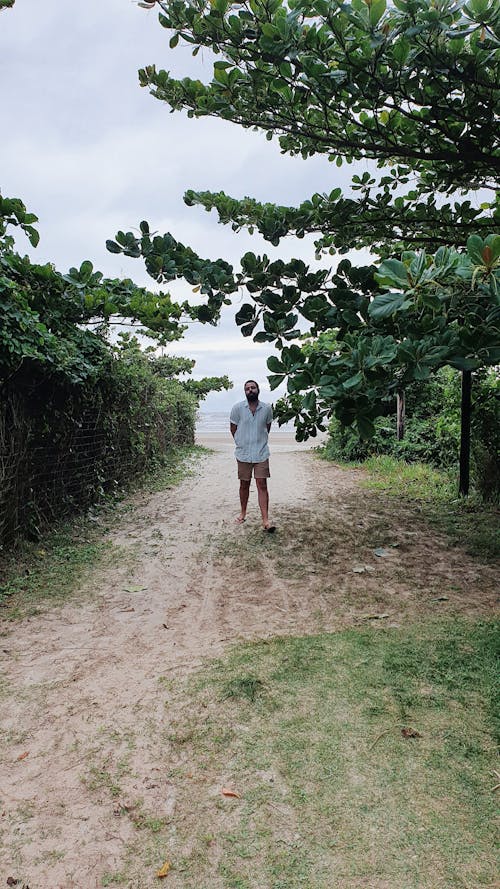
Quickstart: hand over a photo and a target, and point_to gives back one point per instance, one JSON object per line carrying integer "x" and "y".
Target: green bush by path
{"x": 80, "y": 415}
{"x": 432, "y": 430}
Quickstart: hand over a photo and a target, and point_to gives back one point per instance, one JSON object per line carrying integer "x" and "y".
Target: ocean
{"x": 217, "y": 423}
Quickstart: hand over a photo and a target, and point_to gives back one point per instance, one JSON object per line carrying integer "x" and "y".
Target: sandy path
{"x": 83, "y": 681}
{"x": 86, "y": 684}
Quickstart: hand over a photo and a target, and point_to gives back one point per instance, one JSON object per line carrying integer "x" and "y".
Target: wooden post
{"x": 465, "y": 416}
{"x": 400, "y": 409}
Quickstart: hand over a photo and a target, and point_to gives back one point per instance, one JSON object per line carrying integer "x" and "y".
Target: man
{"x": 250, "y": 422}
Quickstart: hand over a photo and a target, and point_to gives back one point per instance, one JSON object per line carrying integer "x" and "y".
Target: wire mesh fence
{"x": 47, "y": 473}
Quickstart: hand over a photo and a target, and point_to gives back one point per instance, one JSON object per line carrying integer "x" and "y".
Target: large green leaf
{"x": 387, "y": 304}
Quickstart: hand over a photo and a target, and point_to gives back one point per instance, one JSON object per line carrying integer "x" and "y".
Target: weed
{"x": 116, "y": 879}
{"x": 248, "y": 687}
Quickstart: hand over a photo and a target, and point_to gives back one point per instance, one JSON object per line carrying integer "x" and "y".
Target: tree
{"x": 411, "y": 85}
{"x": 57, "y": 325}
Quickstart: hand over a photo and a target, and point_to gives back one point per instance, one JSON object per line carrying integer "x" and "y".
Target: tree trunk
{"x": 400, "y": 408}
{"x": 463, "y": 487}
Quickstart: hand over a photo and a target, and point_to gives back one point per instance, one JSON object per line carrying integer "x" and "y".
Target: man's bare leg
{"x": 263, "y": 496}
{"x": 244, "y": 493}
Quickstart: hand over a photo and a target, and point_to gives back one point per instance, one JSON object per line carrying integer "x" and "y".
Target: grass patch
{"x": 48, "y": 571}
{"x": 367, "y": 762}
{"x": 177, "y": 464}
{"x": 248, "y": 687}
{"x": 52, "y": 568}
{"x": 468, "y": 522}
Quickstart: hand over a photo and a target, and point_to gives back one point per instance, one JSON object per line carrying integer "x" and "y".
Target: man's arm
{"x": 233, "y": 427}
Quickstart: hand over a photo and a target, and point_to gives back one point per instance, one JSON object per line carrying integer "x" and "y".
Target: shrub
{"x": 432, "y": 432}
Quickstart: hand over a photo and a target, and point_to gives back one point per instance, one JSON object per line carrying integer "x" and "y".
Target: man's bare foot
{"x": 240, "y": 519}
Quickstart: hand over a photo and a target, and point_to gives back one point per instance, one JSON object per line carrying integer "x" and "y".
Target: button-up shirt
{"x": 251, "y": 434}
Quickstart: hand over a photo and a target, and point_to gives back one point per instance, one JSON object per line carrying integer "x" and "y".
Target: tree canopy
{"x": 410, "y": 86}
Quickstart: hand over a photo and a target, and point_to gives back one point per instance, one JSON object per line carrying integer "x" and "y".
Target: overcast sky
{"x": 90, "y": 153}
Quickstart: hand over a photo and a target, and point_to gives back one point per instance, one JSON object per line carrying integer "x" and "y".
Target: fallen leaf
{"x": 123, "y": 610}
{"x": 380, "y": 552}
{"x": 410, "y": 733}
{"x": 376, "y": 616}
{"x": 442, "y": 599}
{"x": 226, "y": 791}
{"x": 164, "y": 870}
{"x": 11, "y": 881}
{"x": 359, "y": 570}
{"x": 23, "y": 755}
{"x": 134, "y": 589}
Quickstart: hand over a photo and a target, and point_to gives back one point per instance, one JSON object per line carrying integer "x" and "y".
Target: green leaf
{"x": 353, "y": 381}
{"x": 475, "y": 246}
{"x": 365, "y": 426}
{"x": 275, "y": 364}
{"x": 275, "y": 380}
{"x": 392, "y": 273}
{"x": 387, "y": 304}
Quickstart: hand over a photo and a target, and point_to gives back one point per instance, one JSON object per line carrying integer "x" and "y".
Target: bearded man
{"x": 250, "y": 422}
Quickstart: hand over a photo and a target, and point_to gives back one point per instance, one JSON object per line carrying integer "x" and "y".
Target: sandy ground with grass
{"x": 83, "y": 705}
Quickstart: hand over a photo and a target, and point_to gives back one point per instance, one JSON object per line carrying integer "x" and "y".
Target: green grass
{"x": 33, "y": 574}
{"x": 332, "y": 793}
{"x": 468, "y": 522}
{"x": 175, "y": 466}
{"x": 50, "y": 570}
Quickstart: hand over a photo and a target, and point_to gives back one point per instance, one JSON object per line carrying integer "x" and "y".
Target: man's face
{"x": 252, "y": 391}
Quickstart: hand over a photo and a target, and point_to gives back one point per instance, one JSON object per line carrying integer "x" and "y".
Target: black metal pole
{"x": 400, "y": 412}
{"x": 463, "y": 487}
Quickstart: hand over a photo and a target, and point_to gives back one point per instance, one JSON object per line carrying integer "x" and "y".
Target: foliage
{"x": 78, "y": 414}
{"x": 413, "y": 80}
{"x": 410, "y": 86}
{"x": 432, "y": 429}
{"x": 43, "y": 311}
{"x": 486, "y": 443}
{"x": 394, "y": 325}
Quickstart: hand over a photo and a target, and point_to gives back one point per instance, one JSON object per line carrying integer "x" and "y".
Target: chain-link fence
{"x": 48, "y": 472}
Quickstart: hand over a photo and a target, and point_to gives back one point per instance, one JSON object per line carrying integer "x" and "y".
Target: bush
{"x": 432, "y": 433}
{"x": 65, "y": 446}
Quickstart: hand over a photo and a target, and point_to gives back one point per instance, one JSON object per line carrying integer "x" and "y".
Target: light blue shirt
{"x": 251, "y": 434}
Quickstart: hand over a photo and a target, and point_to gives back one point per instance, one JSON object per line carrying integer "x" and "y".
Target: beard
{"x": 252, "y": 396}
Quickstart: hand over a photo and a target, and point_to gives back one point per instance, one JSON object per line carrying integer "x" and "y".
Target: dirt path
{"x": 86, "y": 683}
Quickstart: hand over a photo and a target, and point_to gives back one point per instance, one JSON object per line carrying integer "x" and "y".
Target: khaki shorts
{"x": 260, "y": 470}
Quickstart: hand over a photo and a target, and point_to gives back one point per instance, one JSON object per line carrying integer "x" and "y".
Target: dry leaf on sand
{"x": 227, "y": 791}
{"x": 164, "y": 870}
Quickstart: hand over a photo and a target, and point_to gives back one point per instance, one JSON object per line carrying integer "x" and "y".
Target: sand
{"x": 85, "y": 682}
